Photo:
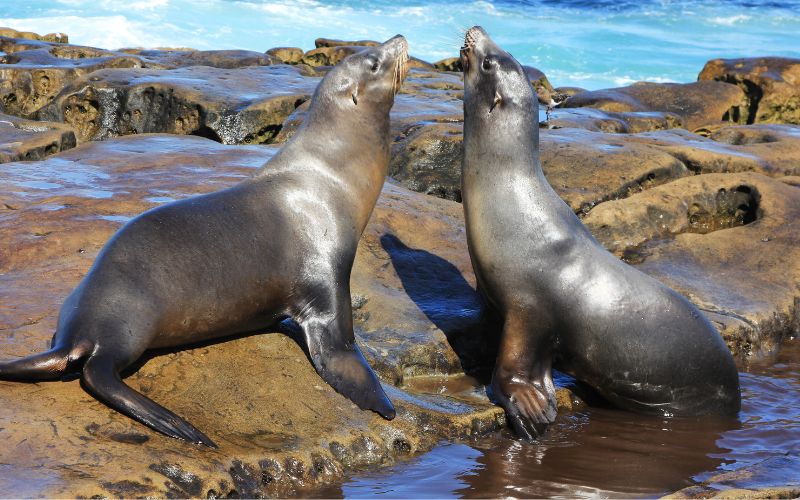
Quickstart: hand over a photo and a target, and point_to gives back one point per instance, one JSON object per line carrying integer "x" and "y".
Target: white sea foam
{"x": 111, "y": 32}
{"x": 729, "y": 20}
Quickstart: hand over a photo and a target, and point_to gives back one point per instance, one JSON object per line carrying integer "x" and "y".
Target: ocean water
{"x": 591, "y": 44}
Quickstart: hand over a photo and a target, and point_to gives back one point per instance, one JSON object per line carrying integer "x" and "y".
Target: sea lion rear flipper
{"x": 338, "y": 360}
{"x": 49, "y": 365}
{"x": 102, "y": 380}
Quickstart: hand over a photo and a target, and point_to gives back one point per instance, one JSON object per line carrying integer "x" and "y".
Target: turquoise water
{"x": 575, "y": 42}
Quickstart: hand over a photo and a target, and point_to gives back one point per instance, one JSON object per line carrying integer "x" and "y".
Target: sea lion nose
{"x": 398, "y": 43}
{"x": 474, "y": 35}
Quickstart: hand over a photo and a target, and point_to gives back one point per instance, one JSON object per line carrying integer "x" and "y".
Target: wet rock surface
{"x": 225, "y": 59}
{"x": 22, "y": 139}
{"x": 737, "y": 483}
{"x": 232, "y": 106}
{"x": 771, "y": 84}
{"x": 698, "y": 104}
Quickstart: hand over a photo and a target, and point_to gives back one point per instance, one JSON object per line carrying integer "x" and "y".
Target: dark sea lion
{"x": 279, "y": 245}
{"x": 560, "y": 294}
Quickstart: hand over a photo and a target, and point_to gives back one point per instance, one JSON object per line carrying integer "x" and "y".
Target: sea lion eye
{"x": 375, "y": 67}
{"x": 487, "y": 63}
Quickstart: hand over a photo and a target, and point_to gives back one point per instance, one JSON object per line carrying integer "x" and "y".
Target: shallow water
{"x": 591, "y": 44}
{"x": 607, "y": 452}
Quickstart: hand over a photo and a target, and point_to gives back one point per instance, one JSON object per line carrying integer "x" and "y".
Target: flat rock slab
{"x": 22, "y": 139}
{"x": 772, "y": 85}
{"x": 598, "y": 120}
{"x": 279, "y": 426}
{"x": 698, "y": 104}
{"x": 729, "y": 242}
{"x": 179, "y": 58}
{"x": 232, "y": 106}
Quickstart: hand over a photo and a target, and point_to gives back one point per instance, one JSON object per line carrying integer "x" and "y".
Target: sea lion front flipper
{"x": 102, "y": 380}
{"x": 522, "y": 382}
{"x": 338, "y": 360}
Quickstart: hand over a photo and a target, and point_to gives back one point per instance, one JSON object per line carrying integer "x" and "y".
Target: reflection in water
{"x": 609, "y": 452}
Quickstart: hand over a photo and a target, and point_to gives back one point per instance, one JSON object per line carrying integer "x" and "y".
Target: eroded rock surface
{"x": 22, "y": 139}
{"x": 232, "y": 106}
{"x": 698, "y": 104}
{"x": 33, "y": 72}
{"x": 729, "y": 242}
{"x": 772, "y": 85}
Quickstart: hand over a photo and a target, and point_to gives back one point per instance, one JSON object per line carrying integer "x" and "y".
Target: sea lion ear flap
{"x": 354, "y": 95}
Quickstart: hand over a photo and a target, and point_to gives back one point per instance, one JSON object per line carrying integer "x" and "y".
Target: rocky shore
{"x": 697, "y": 184}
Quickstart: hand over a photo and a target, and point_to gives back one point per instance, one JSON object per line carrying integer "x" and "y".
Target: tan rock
{"x": 50, "y": 37}
{"x": 246, "y": 105}
{"x": 331, "y": 42}
{"x": 772, "y": 85}
{"x": 181, "y": 58}
{"x": 449, "y": 64}
{"x": 34, "y": 72}
{"x": 289, "y": 55}
{"x": 329, "y": 55}
{"x": 729, "y": 242}
{"x": 22, "y": 139}
{"x": 598, "y": 120}
{"x": 698, "y": 104}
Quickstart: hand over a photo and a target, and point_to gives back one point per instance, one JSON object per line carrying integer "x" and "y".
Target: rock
{"x": 449, "y": 64}
{"x": 30, "y": 140}
{"x": 769, "y": 149}
{"x": 246, "y": 105}
{"x": 427, "y": 97}
{"x": 280, "y": 428}
{"x": 569, "y": 91}
{"x": 771, "y": 84}
{"x": 330, "y": 42}
{"x": 698, "y": 104}
{"x": 598, "y": 120}
{"x": 34, "y": 72}
{"x": 329, "y": 55}
{"x": 225, "y": 59}
{"x": 544, "y": 91}
{"x": 429, "y": 161}
{"x": 587, "y": 167}
{"x": 289, "y": 55}
{"x": 726, "y": 241}
{"x": 749, "y": 482}
{"x": 50, "y": 37}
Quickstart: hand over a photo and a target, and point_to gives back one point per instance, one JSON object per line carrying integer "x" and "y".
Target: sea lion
{"x": 276, "y": 246}
{"x": 559, "y": 293}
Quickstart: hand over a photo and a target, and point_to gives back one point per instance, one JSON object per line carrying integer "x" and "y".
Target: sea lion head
{"x": 495, "y": 85}
{"x": 370, "y": 78}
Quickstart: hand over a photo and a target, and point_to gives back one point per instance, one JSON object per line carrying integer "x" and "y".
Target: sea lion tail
{"x": 49, "y": 365}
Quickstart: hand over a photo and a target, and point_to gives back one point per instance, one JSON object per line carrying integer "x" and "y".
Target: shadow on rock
{"x": 440, "y": 291}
